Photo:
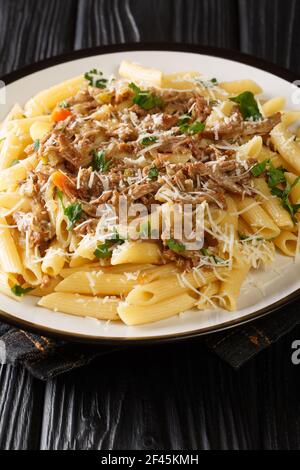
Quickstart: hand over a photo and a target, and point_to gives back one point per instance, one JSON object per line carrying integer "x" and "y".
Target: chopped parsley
{"x": 145, "y": 99}
{"x": 208, "y": 83}
{"x": 73, "y": 212}
{"x": 196, "y": 127}
{"x": 259, "y": 168}
{"x": 186, "y": 128}
{"x": 99, "y": 163}
{"x": 148, "y": 140}
{"x": 178, "y": 247}
{"x": 248, "y": 106}
{"x": 283, "y": 194}
{"x": 245, "y": 238}
{"x": 2, "y": 139}
{"x": 19, "y": 291}
{"x": 36, "y": 145}
{"x": 104, "y": 251}
{"x": 95, "y": 78}
{"x": 153, "y": 173}
{"x": 64, "y": 105}
{"x": 275, "y": 177}
{"x": 215, "y": 258}
{"x": 15, "y": 162}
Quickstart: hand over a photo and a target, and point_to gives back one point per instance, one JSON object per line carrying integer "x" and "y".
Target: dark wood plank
{"x": 172, "y": 397}
{"x": 31, "y": 30}
{"x": 21, "y": 409}
{"x": 198, "y": 21}
{"x": 269, "y": 29}
{"x": 176, "y": 397}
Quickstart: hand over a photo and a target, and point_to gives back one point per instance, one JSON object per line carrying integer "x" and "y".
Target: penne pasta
{"x": 257, "y": 218}
{"x": 287, "y": 243}
{"x": 147, "y": 314}
{"x": 81, "y": 305}
{"x": 236, "y": 87}
{"x": 137, "y": 72}
{"x": 45, "y": 101}
{"x": 96, "y": 283}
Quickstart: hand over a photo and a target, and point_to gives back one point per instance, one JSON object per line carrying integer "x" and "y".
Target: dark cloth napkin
{"x": 46, "y": 358}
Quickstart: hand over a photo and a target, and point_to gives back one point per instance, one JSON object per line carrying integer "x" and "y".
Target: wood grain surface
{"x": 164, "y": 397}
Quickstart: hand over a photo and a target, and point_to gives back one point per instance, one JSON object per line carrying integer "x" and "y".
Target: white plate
{"x": 264, "y": 291}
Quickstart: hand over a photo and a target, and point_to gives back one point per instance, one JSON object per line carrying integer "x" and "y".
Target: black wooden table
{"x": 176, "y": 396}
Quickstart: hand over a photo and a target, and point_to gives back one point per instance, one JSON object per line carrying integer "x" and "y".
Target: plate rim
{"x": 223, "y": 53}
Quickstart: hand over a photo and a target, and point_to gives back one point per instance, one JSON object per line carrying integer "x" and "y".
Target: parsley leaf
{"x": 208, "y": 83}
{"x": 145, "y": 99}
{"x": 196, "y": 127}
{"x": 95, "y": 78}
{"x": 283, "y": 194}
{"x": 259, "y": 168}
{"x": 36, "y": 145}
{"x": 103, "y": 250}
{"x": 275, "y": 175}
{"x": 175, "y": 246}
{"x": 148, "y": 140}
{"x": 19, "y": 291}
{"x": 74, "y": 213}
{"x": 216, "y": 259}
{"x": 185, "y": 127}
{"x": 99, "y": 163}
{"x": 64, "y": 105}
{"x": 153, "y": 173}
{"x": 248, "y": 105}
{"x": 14, "y": 162}
{"x": 2, "y": 139}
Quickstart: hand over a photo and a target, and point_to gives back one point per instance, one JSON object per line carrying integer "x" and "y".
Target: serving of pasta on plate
{"x": 137, "y": 198}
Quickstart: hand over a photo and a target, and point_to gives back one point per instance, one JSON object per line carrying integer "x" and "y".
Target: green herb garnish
{"x": 259, "y": 168}
{"x": 103, "y": 250}
{"x": 19, "y": 291}
{"x": 275, "y": 175}
{"x": 186, "y": 128}
{"x": 99, "y": 163}
{"x": 145, "y": 99}
{"x": 178, "y": 247}
{"x": 153, "y": 173}
{"x": 248, "y": 106}
{"x": 72, "y": 212}
{"x": 64, "y": 105}
{"x": 148, "y": 140}
{"x": 14, "y": 162}
{"x": 209, "y": 254}
{"x": 208, "y": 83}
{"x": 283, "y": 194}
{"x": 2, "y": 139}
{"x": 95, "y": 78}
{"x": 36, "y": 145}
{"x": 196, "y": 127}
